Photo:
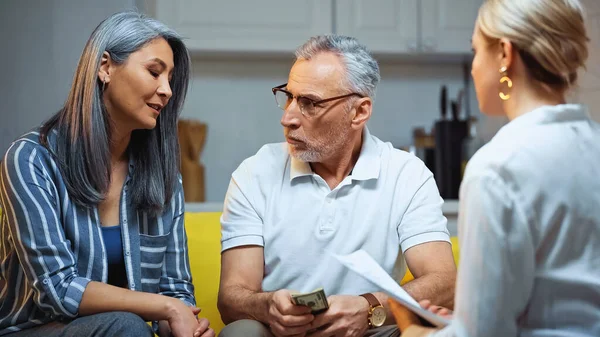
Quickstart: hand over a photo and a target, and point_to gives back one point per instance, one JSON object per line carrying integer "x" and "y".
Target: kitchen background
{"x": 243, "y": 48}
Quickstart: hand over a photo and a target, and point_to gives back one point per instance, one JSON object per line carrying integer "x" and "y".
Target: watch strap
{"x": 373, "y": 301}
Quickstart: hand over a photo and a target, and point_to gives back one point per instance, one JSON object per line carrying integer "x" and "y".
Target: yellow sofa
{"x": 204, "y": 231}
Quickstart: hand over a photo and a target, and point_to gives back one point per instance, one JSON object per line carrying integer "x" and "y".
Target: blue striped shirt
{"x": 51, "y": 248}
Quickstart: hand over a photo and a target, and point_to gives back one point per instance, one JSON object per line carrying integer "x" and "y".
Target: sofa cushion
{"x": 204, "y": 246}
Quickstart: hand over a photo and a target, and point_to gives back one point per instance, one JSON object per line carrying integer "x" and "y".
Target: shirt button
{"x": 125, "y": 221}
{"x": 127, "y": 253}
{"x": 46, "y": 281}
{"x": 132, "y": 286}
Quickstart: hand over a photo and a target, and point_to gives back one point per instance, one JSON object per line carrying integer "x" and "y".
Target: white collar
{"x": 546, "y": 114}
{"x": 367, "y": 166}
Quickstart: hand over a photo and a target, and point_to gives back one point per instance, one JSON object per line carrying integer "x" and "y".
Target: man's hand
{"x": 347, "y": 316}
{"x": 436, "y": 309}
{"x": 286, "y": 318}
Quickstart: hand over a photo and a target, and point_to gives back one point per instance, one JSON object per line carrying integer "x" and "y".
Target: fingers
{"x": 195, "y": 310}
{"x": 287, "y": 307}
{"x": 203, "y": 324}
{"x": 441, "y": 311}
{"x": 208, "y": 333}
{"x": 445, "y": 312}
{"x": 280, "y": 330}
{"x": 404, "y": 317}
{"x": 203, "y": 327}
{"x": 321, "y": 320}
{"x": 436, "y": 309}
{"x": 326, "y": 332}
{"x": 290, "y": 320}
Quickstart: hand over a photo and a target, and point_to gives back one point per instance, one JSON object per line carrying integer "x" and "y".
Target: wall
{"x": 42, "y": 41}
{"x": 41, "y": 44}
{"x": 234, "y": 98}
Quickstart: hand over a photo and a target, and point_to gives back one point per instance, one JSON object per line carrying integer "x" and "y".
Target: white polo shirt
{"x": 389, "y": 201}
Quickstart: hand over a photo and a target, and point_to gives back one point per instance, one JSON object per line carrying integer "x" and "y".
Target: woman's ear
{"x": 105, "y": 68}
{"x": 505, "y": 53}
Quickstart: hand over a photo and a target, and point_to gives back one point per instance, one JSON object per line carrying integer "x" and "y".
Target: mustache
{"x": 294, "y": 136}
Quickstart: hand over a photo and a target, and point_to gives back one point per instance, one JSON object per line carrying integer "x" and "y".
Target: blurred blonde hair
{"x": 549, "y": 35}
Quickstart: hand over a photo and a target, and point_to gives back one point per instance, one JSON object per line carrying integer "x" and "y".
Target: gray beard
{"x": 335, "y": 138}
{"x": 307, "y": 156}
{"x": 317, "y": 153}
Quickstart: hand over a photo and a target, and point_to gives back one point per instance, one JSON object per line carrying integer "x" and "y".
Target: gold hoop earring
{"x": 509, "y": 83}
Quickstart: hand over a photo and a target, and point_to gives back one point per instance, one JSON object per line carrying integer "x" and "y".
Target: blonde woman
{"x": 529, "y": 221}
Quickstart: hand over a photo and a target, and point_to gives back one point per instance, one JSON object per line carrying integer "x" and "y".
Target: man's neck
{"x": 335, "y": 169}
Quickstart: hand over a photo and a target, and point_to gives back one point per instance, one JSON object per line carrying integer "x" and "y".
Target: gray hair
{"x": 84, "y": 126}
{"x": 362, "y": 71}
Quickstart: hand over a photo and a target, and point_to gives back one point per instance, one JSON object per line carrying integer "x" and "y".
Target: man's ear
{"x": 106, "y": 64}
{"x": 363, "y": 109}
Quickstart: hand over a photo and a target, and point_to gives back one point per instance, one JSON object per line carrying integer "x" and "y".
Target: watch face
{"x": 378, "y": 316}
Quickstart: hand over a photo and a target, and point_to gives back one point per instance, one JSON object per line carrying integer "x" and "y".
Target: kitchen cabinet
{"x": 246, "y": 26}
{"x": 588, "y": 90}
{"x": 447, "y": 25}
{"x": 386, "y": 26}
{"x": 409, "y": 26}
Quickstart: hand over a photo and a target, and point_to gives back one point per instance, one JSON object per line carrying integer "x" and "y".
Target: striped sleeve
{"x": 176, "y": 280}
{"x": 30, "y": 198}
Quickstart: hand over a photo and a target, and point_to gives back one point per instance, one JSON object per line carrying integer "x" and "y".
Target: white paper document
{"x": 364, "y": 265}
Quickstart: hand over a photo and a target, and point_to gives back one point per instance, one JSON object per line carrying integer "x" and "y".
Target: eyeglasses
{"x": 308, "y": 107}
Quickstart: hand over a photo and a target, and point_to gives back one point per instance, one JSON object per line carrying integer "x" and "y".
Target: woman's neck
{"x": 118, "y": 146}
{"x": 528, "y": 99}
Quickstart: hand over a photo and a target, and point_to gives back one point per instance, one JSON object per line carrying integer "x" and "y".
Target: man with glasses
{"x": 331, "y": 188}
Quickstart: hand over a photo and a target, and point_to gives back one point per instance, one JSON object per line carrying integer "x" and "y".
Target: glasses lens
{"x": 282, "y": 99}
{"x": 306, "y": 106}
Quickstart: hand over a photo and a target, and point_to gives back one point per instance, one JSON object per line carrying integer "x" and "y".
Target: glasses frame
{"x": 313, "y": 102}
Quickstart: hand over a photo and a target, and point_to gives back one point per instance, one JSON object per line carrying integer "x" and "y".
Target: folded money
{"x": 316, "y": 300}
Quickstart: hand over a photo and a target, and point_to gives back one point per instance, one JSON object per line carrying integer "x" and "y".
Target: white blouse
{"x": 529, "y": 229}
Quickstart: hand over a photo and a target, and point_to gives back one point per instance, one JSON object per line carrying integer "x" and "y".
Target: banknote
{"x": 316, "y": 300}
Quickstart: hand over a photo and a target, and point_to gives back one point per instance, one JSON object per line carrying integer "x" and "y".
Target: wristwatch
{"x": 377, "y": 314}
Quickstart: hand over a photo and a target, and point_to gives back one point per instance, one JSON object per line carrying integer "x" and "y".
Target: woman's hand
{"x": 203, "y": 330}
{"x": 404, "y": 317}
{"x": 182, "y": 320}
{"x": 436, "y": 309}
{"x": 407, "y": 321}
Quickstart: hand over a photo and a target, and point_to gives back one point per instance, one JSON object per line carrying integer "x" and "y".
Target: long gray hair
{"x": 84, "y": 127}
{"x": 362, "y": 71}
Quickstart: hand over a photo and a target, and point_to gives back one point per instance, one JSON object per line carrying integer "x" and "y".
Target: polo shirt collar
{"x": 367, "y": 166}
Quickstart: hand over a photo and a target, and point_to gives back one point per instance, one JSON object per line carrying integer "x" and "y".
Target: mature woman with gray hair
{"x": 92, "y": 236}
